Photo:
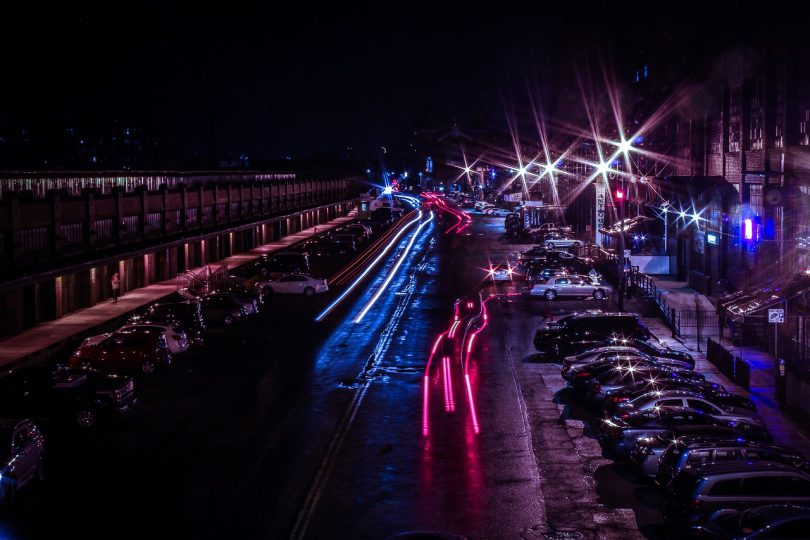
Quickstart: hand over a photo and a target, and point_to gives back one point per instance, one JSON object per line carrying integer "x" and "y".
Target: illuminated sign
{"x": 711, "y": 238}
{"x": 748, "y": 229}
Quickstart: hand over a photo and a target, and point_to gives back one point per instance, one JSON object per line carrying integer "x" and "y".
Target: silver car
{"x": 683, "y": 398}
{"x": 573, "y": 286}
{"x": 604, "y": 352}
{"x": 560, "y": 240}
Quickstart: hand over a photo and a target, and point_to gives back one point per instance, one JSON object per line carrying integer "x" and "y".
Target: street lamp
{"x": 620, "y": 200}
{"x": 665, "y": 212}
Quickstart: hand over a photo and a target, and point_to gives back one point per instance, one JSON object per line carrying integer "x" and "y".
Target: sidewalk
{"x": 53, "y": 333}
{"x": 786, "y": 430}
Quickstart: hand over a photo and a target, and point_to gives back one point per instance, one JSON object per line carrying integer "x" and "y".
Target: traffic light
{"x": 619, "y": 194}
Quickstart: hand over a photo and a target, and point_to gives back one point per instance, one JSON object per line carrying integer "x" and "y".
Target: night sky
{"x": 293, "y": 80}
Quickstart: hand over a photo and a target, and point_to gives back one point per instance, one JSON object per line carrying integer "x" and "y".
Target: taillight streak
{"x": 449, "y": 400}
{"x": 425, "y": 408}
{"x": 473, "y": 414}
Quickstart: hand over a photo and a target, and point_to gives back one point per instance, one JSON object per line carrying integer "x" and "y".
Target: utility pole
{"x": 620, "y": 198}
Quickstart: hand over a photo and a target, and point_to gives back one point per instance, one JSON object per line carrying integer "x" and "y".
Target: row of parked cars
{"x": 348, "y": 239}
{"x": 552, "y": 274}
{"x": 708, "y": 450}
{"x": 97, "y": 383}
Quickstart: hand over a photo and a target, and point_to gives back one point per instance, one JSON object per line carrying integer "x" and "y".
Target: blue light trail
{"x": 359, "y": 278}
{"x": 393, "y": 272}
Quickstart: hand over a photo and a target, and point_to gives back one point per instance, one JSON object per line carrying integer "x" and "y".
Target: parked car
{"x": 326, "y": 249}
{"x": 691, "y": 451}
{"x": 772, "y": 521}
{"x": 615, "y": 399}
{"x": 599, "y": 353}
{"x": 626, "y": 372}
{"x": 187, "y": 314}
{"x": 346, "y": 243}
{"x": 619, "y": 435}
{"x": 622, "y": 344}
{"x": 221, "y": 309}
{"x": 557, "y": 240}
{"x": 78, "y": 395}
{"x": 277, "y": 264}
{"x": 647, "y": 452}
{"x": 541, "y": 254}
{"x": 541, "y": 274}
{"x": 359, "y": 228}
{"x": 251, "y": 300}
{"x": 686, "y": 398}
{"x": 124, "y": 351}
{"x": 585, "y": 330}
{"x": 293, "y": 284}
{"x": 569, "y": 286}
{"x": 697, "y": 492}
{"x": 176, "y": 337}
{"x": 22, "y": 449}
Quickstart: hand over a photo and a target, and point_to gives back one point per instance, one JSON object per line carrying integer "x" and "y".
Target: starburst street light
{"x": 603, "y": 168}
{"x": 625, "y": 146}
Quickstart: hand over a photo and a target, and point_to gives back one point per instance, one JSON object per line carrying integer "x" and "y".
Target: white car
{"x": 293, "y": 284}
{"x": 497, "y": 212}
{"x": 176, "y": 337}
{"x": 558, "y": 241}
{"x": 560, "y": 286}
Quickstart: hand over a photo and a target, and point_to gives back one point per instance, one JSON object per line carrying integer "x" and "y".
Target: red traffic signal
{"x": 619, "y": 194}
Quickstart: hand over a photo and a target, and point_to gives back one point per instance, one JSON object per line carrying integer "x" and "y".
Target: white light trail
{"x": 394, "y": 270}
{"x": 359, "y": 278}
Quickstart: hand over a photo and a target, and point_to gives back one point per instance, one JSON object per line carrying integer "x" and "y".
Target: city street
{"x": 438, "y": 272}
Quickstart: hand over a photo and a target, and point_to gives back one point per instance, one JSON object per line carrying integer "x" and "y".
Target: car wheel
{"x": 148, "y": 367}
{"x": 550, "y": 295}
{"x": 227, "y": 320}
{"x": 598, "y": 294}
{"x": 309, "y": 291}
{"x": 86, "y": 418}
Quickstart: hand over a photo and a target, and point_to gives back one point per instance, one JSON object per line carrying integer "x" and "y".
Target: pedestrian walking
{"x": 116, "y": 287}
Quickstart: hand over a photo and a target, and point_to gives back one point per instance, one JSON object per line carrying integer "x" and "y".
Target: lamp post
{"x": 620, "y": 199}
{"x": 665, "y": 211}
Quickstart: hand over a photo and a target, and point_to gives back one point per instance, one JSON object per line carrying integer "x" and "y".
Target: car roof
{"x": 701, "y": 442}
{"x": 674, "y": 393}
{"x": 665, "y": 410}
{"x": 729, "y": 467}
{"x": 606, "y": 315}
{"x": 700, "y": 431}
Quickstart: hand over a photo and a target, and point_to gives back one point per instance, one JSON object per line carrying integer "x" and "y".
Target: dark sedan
{"x": 78, "y": 395}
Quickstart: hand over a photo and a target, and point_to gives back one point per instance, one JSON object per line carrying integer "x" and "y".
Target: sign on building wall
{"x": 600, "y": 209}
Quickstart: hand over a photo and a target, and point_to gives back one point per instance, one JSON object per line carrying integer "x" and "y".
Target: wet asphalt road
{"x": 283, "y": 427}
